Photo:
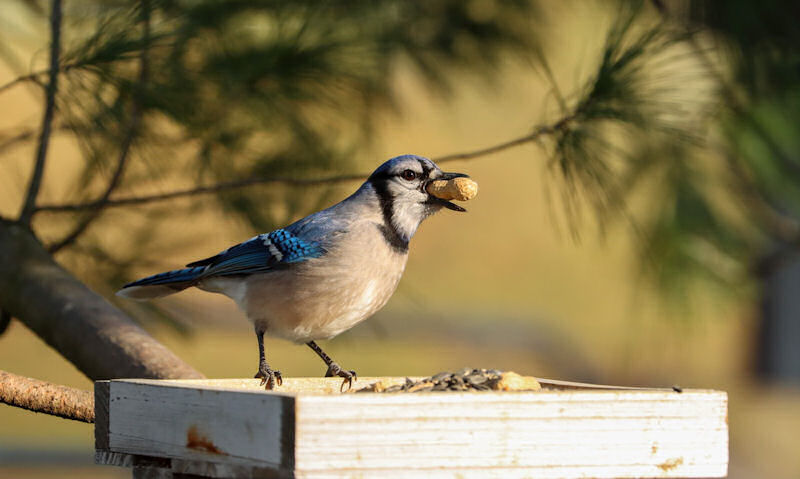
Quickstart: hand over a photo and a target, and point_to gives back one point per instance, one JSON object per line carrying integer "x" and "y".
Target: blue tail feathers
{"x": 162, "y": 284}
{"x": 175, "y": 276}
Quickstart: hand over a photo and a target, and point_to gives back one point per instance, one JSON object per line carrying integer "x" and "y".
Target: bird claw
{"x": 269, "y": 379}
{"x": 349, "y": 376}
{"x": 348, "y": 380}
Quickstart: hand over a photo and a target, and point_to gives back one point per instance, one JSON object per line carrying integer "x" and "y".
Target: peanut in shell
{"x": 460, "y": 189}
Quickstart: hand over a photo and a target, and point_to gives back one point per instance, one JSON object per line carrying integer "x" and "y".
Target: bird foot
{"x": 349, "y": 376}
{"x": 269, "y": 378}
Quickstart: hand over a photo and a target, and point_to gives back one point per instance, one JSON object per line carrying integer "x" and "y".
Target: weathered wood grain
{"x": 229, "y": 426}
{"x": 655, "y": 434}
{"x": 225, "y": 428}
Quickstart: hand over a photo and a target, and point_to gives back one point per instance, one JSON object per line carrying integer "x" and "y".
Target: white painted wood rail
{"x": 233, "y": 428}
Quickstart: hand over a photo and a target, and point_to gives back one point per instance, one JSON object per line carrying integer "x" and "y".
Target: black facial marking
{"x": 426, "y": 170}
{"x": 379, "y": 177}
{"x": 389, "y": 231}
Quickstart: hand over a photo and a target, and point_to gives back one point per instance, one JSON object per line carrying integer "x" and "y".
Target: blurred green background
{"x": 547, "y": 274}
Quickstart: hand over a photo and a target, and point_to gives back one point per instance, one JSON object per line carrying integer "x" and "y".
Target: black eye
{"x": 408, "y": 175}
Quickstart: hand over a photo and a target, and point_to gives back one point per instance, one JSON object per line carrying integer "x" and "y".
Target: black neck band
{"x": 388, "y": 229}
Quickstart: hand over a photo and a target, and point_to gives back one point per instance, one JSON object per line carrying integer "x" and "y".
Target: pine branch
{"x": 40, "y": 396}
{"x": 733, "y": 96}
{"x": 737, "y": 104}
{"x": 12, "y": 141}
{"x": 536, "y": 135}
{"x": 127, "y": 143}
{"x": 31, "y": 77}
{"x": 29, "y": 207}
{"x": 200, "y": 190}
{"x": 35, "y": 77}
{"x": 781, "y": 225}
{"x": 538, "y": 132}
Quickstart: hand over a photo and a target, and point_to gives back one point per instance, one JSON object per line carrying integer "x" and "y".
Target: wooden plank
{"x": 514, "y": 472}
{"x": 232, "y": 427}
{"x": 545, "y": 434}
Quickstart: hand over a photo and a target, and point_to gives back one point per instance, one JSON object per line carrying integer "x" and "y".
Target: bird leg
{"x": 333, "y": 368}
{"x": 268, "y": 377}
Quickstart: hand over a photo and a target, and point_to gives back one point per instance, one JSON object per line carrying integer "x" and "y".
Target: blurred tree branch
{"x": 287, "y": 92}
{"x": 214, "y": 188}
{"x": 730, "y": 92}
{"x": 31, "y": 77}
{"x": 537, "y": 134}
{"x": 35, "y": 77}
{"x": 279, "y": 92}
{"x": 99, "y": 339}
{"x": 705, "y": 20}
{"x": 10, "y": 141}
{"x": 270, "y": 108}
{"x": 29, "y": 205}
{"x": 261, "y": 89}
{"x": 132, "y": 131}
{"x": 41, "y": 396}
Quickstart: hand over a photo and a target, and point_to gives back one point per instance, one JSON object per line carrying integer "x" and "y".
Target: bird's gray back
{"x": 327, "y": 225}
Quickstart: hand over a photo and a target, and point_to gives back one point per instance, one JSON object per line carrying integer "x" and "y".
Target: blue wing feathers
{"x": 243, "y": 248}
{"x": 250, "y": 256}
{"x": 262, "y": 253}
{"x": 292, "y": 248}
{"x": 256, "y": 255}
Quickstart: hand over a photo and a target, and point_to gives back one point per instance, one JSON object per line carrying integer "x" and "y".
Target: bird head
{"x": 401, "y": 186}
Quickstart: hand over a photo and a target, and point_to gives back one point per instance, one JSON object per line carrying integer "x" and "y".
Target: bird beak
{"x": 447, "y": 204}
{"x": 451, "y": 176}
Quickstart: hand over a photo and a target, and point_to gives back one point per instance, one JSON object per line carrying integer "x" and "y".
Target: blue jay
{"x": 323, "y": 274}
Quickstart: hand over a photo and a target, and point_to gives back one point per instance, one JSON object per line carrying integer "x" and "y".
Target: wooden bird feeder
{"x": 307, "y": 428}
